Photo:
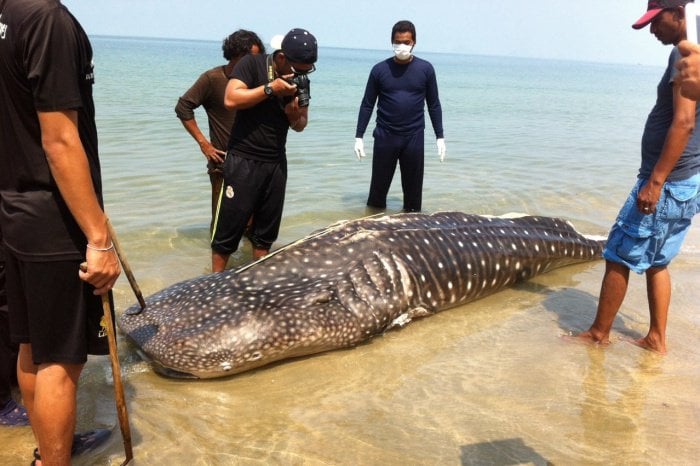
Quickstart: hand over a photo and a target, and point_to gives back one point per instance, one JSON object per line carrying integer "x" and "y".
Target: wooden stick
{"x": 117, "y": 376}
{"x": 125, "y": 265}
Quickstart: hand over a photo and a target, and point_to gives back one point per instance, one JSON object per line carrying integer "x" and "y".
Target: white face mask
{"x": 402, "y": 51}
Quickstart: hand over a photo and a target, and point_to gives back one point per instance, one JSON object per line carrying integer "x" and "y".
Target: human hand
{"x": 101, "y": 269}
{"x": 360, "y": 148}
{"x": 282, "y": 87}
{"x": 441, "y": 149}
{"x": 296, "y": 116}
{"x": 647, "y": 198}
{"x": 293, "y": 111}
{"x": 689, "y": 68}
{"x": 212, "y": 153}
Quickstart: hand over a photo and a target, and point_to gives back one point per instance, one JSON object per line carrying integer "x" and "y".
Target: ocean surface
{"x": 491, "y": 382}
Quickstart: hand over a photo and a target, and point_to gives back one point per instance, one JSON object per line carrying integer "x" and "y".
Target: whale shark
{"x": 340, "y": 286}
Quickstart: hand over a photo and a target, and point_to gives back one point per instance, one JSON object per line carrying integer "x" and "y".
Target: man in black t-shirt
{"x": 265, "y": 91}
{"x": 51, "y": 212}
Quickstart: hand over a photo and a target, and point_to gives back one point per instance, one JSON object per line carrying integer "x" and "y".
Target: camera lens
{"x": 303, "y": 89}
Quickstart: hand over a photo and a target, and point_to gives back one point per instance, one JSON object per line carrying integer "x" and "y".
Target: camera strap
{"x": 270, "y": 69}
{"x": 271, "y": 76}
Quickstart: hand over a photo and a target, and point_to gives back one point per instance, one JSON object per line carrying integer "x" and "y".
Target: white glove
{"x": 441, "y": 149}
{"x": 360, "y": 148}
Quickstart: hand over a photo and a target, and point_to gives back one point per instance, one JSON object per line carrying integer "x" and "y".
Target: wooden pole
{"x": 125, "y": 265}
{"x": 117, "y": 376}
{"x": 119, "y": 397}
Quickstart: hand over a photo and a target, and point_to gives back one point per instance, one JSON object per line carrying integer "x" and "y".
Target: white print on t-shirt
{"x": 3, "y": 29}
{"x": 90, "y": 77}
{"x": 229, "y": 192}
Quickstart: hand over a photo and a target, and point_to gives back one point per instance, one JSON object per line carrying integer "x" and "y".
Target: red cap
{"x": 654, "y": 8}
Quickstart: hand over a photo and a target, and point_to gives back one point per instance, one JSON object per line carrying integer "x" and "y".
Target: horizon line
{"x": 184, "y": 39}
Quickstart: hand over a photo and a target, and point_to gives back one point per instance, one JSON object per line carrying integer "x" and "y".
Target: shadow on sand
{"x": 501, "y": 453}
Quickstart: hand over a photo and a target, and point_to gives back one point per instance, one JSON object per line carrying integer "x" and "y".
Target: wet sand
{"x": 492, "y": 382}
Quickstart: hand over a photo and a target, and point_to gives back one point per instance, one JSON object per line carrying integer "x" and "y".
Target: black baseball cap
{"x": 299, "y": 46}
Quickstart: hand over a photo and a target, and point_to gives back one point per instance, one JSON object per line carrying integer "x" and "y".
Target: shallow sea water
{"x": 492, "y": 382}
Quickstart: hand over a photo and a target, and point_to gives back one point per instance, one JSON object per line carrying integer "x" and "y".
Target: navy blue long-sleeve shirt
{"x": 402, "y": 90}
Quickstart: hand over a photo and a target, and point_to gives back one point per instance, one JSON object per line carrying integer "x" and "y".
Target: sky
{"x": 593, "y": 30}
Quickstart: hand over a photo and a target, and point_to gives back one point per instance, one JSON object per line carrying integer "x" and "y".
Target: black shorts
{"x": 8, "y": 350}
{"x": 251, "y": 188}
{"x": 51, "y": 308}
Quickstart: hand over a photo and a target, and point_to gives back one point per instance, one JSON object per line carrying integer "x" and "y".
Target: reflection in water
{"x": 615, "y": 419}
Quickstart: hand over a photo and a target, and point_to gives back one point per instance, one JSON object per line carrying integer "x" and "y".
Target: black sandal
{"x": 37, "y": 457}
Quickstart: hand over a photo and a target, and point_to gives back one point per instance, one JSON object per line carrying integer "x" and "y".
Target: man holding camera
{"x": 270, "y": 94}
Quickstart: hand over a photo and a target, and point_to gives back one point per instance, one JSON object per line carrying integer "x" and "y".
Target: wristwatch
{"x": 268, "y": 90}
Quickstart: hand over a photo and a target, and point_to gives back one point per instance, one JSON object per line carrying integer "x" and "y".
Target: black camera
{"x": 303, "y": 88}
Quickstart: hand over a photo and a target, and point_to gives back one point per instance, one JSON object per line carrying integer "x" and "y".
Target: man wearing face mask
{"x": 270, "y": 95}
{"x": 403, "y": 84}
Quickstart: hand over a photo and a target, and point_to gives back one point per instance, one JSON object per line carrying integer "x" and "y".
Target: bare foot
{"x": 647, "y": 344}
{"x": 587, "y": 338}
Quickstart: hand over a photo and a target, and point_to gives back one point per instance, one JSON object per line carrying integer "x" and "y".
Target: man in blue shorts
{"x": 264, "y": 92}
{"x": 654, "y": 220}
{"x": 404, "y": 84}
{"x": 51, "y": 214}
